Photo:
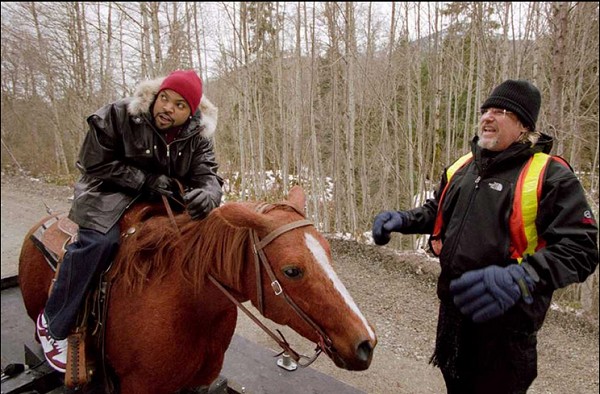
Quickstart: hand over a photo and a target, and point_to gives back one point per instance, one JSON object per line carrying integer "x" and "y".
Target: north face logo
{"x": 588, "y": 218}
{"x": 495, "y": 186}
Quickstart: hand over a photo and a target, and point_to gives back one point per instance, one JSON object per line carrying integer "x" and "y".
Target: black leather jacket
{"x": 122, "y": 147}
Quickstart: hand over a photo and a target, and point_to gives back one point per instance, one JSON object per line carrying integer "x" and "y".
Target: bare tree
{"x": 50, "y": 91}
{"x": 558, "y": 26}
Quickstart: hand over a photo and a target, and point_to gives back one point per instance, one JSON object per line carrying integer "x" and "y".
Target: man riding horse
{"x": 156, "y": 143}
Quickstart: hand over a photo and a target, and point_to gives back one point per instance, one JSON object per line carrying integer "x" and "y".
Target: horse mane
{"x": 157, "y": 249}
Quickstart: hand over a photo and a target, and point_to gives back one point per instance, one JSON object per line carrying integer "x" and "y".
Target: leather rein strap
{"x": 168, "y": 206}
{"x": 261, "y": 259}
{"x": 170, "y": 213}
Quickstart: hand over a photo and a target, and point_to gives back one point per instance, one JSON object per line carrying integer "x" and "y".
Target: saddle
{"x": 58, "y": 231}
{"x": 52, "y": 238}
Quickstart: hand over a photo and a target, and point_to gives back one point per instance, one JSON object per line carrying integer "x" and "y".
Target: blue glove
{"x": 199, "y": 202}
{"x": 385, "y": 223}
{"x": 489, "y": 292}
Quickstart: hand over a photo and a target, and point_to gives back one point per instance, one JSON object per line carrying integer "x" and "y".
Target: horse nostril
{"x": 364, "y": 351}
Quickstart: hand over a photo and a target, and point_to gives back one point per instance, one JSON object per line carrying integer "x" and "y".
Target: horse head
{"x": 288, "y": 275}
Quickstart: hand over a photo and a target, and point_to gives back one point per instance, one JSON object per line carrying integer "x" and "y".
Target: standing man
{"x": 136, "y": 148}
{"x": 510, "y": 224}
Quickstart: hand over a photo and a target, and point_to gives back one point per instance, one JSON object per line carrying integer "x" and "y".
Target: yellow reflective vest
{"x": 524, "y": 238}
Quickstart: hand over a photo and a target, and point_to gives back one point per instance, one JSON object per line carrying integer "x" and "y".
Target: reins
{"x": 324, "y": 343}
{"x": 168, "y": 206}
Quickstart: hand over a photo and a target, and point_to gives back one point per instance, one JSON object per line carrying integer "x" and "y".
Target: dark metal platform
{"x": 248, "y": 367}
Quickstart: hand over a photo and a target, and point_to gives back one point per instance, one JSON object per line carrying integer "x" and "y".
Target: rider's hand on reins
{"x": 199, "y": 203}
{"x": 159, "y": 185}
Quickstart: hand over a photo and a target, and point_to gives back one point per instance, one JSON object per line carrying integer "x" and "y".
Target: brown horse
{"x": 172, "y": 306}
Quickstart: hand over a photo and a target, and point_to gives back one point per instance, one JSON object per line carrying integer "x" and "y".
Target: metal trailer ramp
{"x": 247, "y": 368}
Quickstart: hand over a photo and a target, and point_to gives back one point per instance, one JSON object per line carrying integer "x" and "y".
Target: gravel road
{"x": 395, "y": 291}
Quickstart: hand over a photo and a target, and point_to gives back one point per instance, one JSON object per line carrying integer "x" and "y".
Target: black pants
{"x": 492, "y": 360}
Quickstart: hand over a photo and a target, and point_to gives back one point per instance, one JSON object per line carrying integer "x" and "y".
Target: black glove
{"x": 385, "y": 223}
{"x": 158, "y": 184}
{"x": 199, "y": 203}
{"x": 489, "y": 292}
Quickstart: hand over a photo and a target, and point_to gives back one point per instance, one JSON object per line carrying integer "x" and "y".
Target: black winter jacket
{"x": 122, "y": 147}
{"x": 476, "y": 227}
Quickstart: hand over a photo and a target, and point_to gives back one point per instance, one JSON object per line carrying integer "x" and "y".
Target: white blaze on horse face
{"x": 317, "y": 250}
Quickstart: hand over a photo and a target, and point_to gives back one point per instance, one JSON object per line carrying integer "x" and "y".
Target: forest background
{"x": 362, "y": 103}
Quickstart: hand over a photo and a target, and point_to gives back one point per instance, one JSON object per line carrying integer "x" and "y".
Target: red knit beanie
{"x": 187, "y": 84}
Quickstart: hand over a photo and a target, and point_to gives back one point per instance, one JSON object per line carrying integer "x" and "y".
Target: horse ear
{"x": 241, "y": 215}
{"x": 297, "y": 198}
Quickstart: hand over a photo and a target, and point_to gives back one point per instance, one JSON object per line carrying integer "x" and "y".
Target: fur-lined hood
{"x": 145, "y": 93}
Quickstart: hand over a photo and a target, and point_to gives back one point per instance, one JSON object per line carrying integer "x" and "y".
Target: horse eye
{"x": 292, "y": 272}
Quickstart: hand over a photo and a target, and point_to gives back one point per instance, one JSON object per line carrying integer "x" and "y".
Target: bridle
{"x": 260, "y": 259}
{"x": 324, "y": 343}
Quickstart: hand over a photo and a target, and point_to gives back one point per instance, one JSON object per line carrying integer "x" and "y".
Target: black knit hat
{"x": 518, "y": 96}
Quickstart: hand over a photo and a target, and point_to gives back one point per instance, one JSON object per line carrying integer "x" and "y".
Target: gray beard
{"x": 488, "y": 144}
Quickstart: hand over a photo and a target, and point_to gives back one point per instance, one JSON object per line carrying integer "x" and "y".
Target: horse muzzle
{"x": 359, "y": 360}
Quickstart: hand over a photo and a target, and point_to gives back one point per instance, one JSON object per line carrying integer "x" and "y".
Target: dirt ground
{"x": 394, "y": 290}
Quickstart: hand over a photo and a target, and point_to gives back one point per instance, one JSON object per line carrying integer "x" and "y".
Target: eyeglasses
{"x": 495, "y": 112}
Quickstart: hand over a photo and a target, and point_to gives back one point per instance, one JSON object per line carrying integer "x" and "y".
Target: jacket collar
{"x": 515, "y": 151}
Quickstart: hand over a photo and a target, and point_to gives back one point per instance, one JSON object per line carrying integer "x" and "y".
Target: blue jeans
{"x": 83, "y": 261}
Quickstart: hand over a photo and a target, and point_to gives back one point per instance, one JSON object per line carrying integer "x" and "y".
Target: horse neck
{"x": 224, "y": 253}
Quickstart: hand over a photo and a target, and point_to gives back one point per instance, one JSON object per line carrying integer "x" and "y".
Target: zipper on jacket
{"x": 177, "y": 139}
{"x": 169, "y": 164}
{"x": 464, "y": 217}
